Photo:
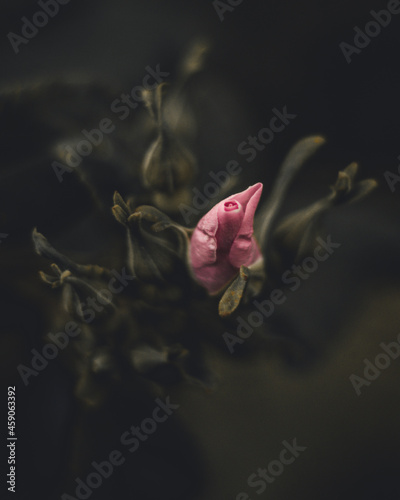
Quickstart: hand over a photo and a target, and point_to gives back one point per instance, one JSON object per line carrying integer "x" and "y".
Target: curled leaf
{"x": 234, "y": 293}
{"x": 63, "y": 263}
{"x": 295, "y": 236}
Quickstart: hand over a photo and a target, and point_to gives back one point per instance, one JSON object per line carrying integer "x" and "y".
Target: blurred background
{"x": 264, "y": 55}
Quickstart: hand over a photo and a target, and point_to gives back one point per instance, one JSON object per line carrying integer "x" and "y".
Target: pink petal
{"x": 249, "y": 199}
{"x": 230, "y": 217}
{"x": 244, "y": 249}
{"x": 222, "y": 240}
{"x": 203, "y": 249}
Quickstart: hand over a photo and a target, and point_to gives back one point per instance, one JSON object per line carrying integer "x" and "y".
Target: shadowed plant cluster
{"x": 156, "y": 325}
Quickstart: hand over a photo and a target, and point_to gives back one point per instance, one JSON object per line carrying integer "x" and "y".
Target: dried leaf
{"x": 234, "y": 293}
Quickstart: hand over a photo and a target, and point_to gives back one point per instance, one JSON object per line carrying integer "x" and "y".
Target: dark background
{"x": 265, "y": 54}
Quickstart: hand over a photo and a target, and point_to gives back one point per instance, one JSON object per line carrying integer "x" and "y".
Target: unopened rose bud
{"x": 223, "y": 240}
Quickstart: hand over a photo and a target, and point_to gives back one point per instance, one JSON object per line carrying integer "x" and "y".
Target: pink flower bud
{"x": 223, "y": 240}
